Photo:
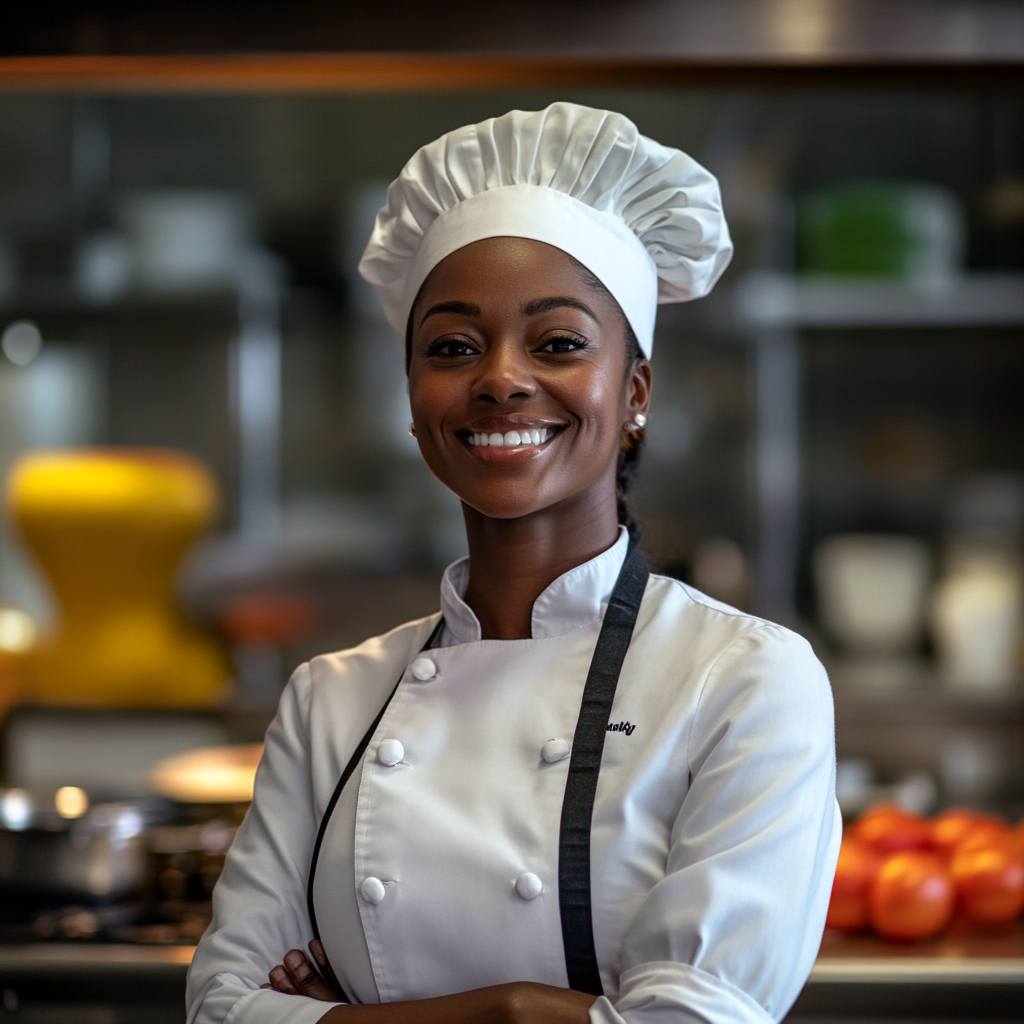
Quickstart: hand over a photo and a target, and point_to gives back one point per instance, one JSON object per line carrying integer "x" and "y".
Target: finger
{"x": 281, "y": 980}
{"x": 305, "y": 978}
{"x": 316, "y": 947}
{"x": 266, "y": 984}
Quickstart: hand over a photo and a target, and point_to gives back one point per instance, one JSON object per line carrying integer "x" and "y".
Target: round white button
{"x": 390, "y": 752}
{"x": 373, "y": 890}
{"x": 528, "y": 885}
{"x": 423, "y": 669}
{"x": 555, "y": 750}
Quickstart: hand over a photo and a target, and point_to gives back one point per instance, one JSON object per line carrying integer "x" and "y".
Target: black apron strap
{"x": 354, "y": 761}
{"x": 574, "y": 897}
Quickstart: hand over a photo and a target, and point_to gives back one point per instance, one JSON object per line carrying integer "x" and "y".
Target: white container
{"x": 188, "y": 241}
{"x": 872, "y": 591}
{"x": 976, "y": 613}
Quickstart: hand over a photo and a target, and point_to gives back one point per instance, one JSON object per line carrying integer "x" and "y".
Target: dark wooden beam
{"x": 446, "y": 72}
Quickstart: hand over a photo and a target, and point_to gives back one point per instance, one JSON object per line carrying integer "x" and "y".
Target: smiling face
{"x": 518, "y": 379}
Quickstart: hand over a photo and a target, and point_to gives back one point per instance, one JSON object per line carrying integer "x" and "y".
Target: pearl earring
{"x": 412, "y": 429}
{"x": 638, "y": 424}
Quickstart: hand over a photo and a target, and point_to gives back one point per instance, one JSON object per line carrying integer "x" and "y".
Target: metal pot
{"x": 90, "y": 855}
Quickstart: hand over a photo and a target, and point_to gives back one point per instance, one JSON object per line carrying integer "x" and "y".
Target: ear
{"x": 638, "y": 389}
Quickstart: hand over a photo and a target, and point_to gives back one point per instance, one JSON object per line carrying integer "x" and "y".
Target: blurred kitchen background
{"x": 836, "y": 439}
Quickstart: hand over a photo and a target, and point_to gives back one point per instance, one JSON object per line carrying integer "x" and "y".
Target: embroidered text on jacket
{"x": 626, "y": 727}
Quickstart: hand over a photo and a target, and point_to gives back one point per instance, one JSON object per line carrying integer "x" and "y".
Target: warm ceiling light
{"x": 17, "y": 631}
{"x": 71, "y": 802}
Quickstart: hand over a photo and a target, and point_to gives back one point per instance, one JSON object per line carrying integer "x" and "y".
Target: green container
{"x": 880, "y": 229}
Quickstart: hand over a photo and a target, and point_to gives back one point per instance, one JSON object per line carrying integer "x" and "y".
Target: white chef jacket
{"x": 715, "y": 829}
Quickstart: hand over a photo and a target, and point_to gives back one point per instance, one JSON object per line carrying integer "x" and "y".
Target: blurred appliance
{"x": 188, "y": 240}
{"x": 872, "y": 590}
{"x": 139, "y": 870}
{"x": 54, "y": 847}
{"x": 109, "y": 528}
{"x": 127, "y": 871}
{"x": 110, "y": 754}
{"x": 901, "y": 230}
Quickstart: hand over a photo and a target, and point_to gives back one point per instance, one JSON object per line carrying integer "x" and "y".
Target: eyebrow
{"x": 530, "y": 309}
{"x": 462, "y": 308}
{"x": 559, "y": 302}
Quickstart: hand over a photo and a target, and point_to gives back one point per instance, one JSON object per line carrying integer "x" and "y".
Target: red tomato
{"x": 987, "y": 830}
{"x": 890, "y": 829}
{"x": 989, "y": 882}
{"x": 848, "y": 906}
{"x": 951, "y": 826}
{"x": 912, "y": 897}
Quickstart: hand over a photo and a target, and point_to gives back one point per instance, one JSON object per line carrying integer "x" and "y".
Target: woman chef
{"x": 580, "y": 790}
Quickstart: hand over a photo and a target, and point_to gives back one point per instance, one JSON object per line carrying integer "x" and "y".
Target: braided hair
{"x": 630, "y": 450}
{"x": 631, "y": 446}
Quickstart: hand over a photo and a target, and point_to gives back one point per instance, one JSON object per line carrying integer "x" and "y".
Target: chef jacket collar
{"x": 574, "y": 599}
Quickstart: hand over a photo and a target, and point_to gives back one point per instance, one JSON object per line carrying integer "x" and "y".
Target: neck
{"x": 513, "y": 561}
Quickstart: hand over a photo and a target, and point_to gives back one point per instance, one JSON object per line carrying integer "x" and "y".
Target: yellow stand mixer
{"x": 109, "y": 528}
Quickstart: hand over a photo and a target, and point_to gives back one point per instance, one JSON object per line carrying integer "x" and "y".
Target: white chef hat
{"x": 645, "y": 219}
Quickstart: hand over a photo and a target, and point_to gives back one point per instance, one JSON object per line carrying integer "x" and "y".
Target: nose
{"x": 504, "y": 374}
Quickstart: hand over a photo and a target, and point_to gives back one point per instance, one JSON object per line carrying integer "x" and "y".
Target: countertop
{"x": 963, "y": 953}
{"x": 967, "y": 974}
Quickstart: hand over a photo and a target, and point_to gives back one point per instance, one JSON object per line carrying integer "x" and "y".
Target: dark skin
{"x": 508, "y": 334}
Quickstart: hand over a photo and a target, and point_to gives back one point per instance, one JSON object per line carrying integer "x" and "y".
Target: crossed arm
{"x": 518, "y": 1003}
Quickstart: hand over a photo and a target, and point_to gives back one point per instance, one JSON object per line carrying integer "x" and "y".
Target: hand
{"x": 520, "y": 1002}
{"x": 516, "y": 1003}
{"x": 297, "y": 976}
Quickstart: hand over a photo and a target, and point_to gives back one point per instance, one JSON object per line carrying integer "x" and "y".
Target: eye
{"x": 451, "y": 348}
{"x": 560, "y": 343}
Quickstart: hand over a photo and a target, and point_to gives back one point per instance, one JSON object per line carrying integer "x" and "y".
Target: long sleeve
{"x": 259, "y": 904}
{"x": 729, "y": 935}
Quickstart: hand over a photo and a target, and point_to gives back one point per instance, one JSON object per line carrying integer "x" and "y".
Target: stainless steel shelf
{"x": 772, "y": 301}
{"x": 916, "y": 971}
{"x": 46, "y": 957}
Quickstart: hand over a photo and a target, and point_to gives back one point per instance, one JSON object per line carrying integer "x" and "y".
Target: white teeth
{"x": 512, "y": 439}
